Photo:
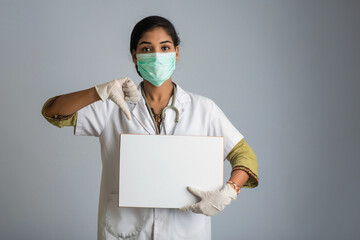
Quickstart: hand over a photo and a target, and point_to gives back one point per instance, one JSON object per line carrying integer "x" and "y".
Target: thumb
{"x": 195, "y": 191}
{"x": 118, "y": 99}
{"x": 127, "y": 112}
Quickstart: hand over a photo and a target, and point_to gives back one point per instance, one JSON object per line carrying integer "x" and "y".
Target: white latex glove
{"x": 119, "y": 91}
{"x": 211, "y": 202}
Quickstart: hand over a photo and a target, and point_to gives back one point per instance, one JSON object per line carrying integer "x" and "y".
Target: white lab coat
{"x": 198, "y": 116}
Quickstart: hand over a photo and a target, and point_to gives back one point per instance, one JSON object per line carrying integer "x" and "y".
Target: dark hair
{"x": 148, "y": 24}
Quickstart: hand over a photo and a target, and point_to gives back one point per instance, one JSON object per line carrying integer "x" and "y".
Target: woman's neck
{"x": 158, "y": 94}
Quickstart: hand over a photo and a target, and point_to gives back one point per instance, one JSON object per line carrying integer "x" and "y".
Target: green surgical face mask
{"x": 156, "y": 67}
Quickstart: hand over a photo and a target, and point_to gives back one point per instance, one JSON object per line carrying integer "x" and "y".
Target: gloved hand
{"x": 211, "y": 202}
{"x": 119, "y": 91}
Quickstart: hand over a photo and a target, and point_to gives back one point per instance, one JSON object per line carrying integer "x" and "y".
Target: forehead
{"x": 155, "y": 36}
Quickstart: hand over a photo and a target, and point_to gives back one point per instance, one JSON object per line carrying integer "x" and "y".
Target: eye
{"x": 145, "y": 49}
{"x": 165, "y": 48}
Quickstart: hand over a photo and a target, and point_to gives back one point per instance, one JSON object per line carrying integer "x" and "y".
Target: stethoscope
{"x": 171, "y": 106}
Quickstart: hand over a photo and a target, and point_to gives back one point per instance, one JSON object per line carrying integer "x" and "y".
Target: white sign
{"x": 154, "y": 170}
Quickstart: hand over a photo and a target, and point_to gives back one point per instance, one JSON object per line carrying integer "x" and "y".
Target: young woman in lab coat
{"x": 119, "y": 106}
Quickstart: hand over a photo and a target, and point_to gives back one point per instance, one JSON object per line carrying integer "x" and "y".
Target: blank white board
{"x": 154, "y": 170}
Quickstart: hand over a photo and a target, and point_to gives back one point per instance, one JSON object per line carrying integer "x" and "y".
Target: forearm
{"x": 70, "y": 103}
{"x": 239, "y": 177}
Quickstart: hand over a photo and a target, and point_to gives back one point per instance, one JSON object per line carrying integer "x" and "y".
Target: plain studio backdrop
{"x": 286, "y": 74}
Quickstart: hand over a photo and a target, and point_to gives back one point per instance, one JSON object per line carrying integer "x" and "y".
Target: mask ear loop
{"x": 172, "y": 106}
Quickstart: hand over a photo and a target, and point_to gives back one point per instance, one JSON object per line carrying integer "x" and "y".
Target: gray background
{"x": 286, "y": 73}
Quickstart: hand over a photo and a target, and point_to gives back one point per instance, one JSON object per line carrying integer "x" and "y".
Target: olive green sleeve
{"x": 58, "y": 120}
{"x": 242, "y": 157}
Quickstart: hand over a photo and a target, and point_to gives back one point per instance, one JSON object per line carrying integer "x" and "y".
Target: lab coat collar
{"x": 142, "y": 115}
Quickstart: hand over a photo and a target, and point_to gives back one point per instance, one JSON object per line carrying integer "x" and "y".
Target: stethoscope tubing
{"x": 171, "y": 106}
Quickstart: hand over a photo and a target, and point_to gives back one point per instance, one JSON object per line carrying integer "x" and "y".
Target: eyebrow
{"x": 167, "y": 41}
{"x": 144, "y": 42}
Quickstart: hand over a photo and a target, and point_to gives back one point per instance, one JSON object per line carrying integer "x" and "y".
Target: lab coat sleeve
{"x": 91, "y": 120}
{"x": 58, "y": 120}
{"x": 221, "y": 126}
{"x": 242, "y": 157}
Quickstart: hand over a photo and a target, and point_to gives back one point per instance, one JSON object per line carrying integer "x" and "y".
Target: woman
{"x": 118, "y": 106}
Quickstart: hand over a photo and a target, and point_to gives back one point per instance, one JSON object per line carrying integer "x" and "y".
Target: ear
{"x": 177, "y": 53}
{"x": 133, "y": 53}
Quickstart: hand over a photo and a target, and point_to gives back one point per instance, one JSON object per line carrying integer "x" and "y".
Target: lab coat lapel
{"x": 142, "y": 115}
{"x": 170, "y": 115}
